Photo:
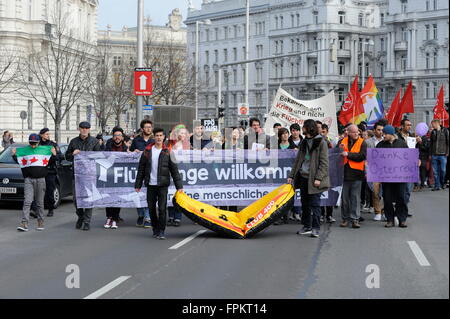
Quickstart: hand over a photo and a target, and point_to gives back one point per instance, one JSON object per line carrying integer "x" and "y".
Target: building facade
{"x": 401, "y": 40}
{"x": 25, "y": 26}
{"x": 161, "y": 44}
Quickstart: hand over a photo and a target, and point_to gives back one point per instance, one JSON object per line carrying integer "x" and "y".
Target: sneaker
{"x": 86, "y": 226}
{"x": 403, "y": 225}
{"x": 147, "y": 224}
{"x": 108, "y": 223}
{"x": 176, "y": 223}
{"x": 396, "y": 221}
{"x": 298, "y": 218}
{"x": 365, "y": 209}
{"x": 161, "y": 236}
{"x": 305, "y": 231}
{"x": 371, "y": 210}
{"x": 40, "y": 225}
{"x": 377, "y": 217}
{"x": 315, "y": 233}
{"x": 140, "y": 221}
{"x": 50, "y": 213}
{"x": 155, "y": 233}
{"x": 170, "y": 222}
{"x": 434, "y": 189}
{"x": 23, "y": 227}
{"x": 383, "y": 217}
{"x": 322, "y": 220}
{"x": 361, "y": 219}
{"x": 330, "y": 220}
{"x": 114, "y": 225}
{"x": 355, "y": 224}
{"x": 389, "y": 225}
{"x": 343, "y": 224}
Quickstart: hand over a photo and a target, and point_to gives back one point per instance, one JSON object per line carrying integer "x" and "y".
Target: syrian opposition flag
{"x": 39, "y": 156}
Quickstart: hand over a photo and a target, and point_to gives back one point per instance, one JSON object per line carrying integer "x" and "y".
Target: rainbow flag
{"x": 373, "y": 106}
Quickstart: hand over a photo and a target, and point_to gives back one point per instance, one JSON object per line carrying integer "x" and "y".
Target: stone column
{"x": 409, "y": 52}
{"x": 388, "y": 51}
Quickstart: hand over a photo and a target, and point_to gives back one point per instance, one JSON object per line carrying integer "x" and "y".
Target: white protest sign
{"x": 411, "y": 142}
{"x": 287, "y": 110}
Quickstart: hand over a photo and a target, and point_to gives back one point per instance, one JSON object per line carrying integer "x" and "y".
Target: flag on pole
{"x": 39, "y": 156}
{"x": 352, "y": 110}
{"x": 373, "y": 106}
{"x": 407, "y": 104}
{"x": 391, "y": 116}
{"x": 439, "y": 109}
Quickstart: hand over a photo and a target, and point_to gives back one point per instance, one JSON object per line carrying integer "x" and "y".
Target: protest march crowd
{"x": 310, "y": 171}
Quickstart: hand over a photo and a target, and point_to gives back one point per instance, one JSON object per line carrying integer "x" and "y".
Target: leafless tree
{"x": 58, "y": 67}
{"x": 9, "y": 61}
{"x": 99, "y": 88}
{"x": 121, "y": 90}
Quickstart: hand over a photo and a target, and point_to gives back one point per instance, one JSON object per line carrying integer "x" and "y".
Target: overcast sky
{"x": 118, "y": 13}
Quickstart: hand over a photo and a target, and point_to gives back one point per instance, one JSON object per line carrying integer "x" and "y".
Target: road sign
{"x": 147, "y": 107}
{"x": 143, "y": 81}
{"x": 243, "y": 109}
{"x": 23, "y": 115}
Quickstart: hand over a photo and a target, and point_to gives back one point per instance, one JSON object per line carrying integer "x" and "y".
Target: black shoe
{"x": 86, "y": 226}
{"x": 155, "y": 233}
{"x": 435, "y": 189}
{"x": 361, "y": 219}
{"x": 79, "y": 223}
{"x": 33, "y": 214}
{"x": 170, "y": 222}
{"x": 120, "y": 219}
{"x": 140, "y": 221}
{"x": 409, "y": 215}
{"x": 161, "y": 236}
{"x": 176, "y": 223}
{"x": 50, "y": 213}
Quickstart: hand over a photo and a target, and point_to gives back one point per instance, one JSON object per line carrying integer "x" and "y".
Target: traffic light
{"x": 333, "y": 52}
{"x": 221, "y": 112}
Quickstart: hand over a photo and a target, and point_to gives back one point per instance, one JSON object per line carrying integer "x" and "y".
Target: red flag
{"x": 392, "y": 114}
{"x": 439, "y": 109}
{"x": 353, "y": 107}
{"x": 407, "y": 104}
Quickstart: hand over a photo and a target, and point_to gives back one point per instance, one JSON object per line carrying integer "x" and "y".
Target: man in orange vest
{"x": 354, "y": 151}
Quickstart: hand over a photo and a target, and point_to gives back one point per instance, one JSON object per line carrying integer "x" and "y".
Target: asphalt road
{"x": 277, "y": 263}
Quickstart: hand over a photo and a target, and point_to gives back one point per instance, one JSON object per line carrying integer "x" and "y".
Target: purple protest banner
{"x": 393, "y": 165}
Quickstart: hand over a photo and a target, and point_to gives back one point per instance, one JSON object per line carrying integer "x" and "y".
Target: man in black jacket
{"x": 50, "y": 179}
{"x": 439, "y": 150}
{"x": 84, "y": 142}
{"x": 394, "y": 192}
{"x": 155, "y": 168}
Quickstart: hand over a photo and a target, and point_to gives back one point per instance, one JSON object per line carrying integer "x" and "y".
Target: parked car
{"x": 12, "y": 181}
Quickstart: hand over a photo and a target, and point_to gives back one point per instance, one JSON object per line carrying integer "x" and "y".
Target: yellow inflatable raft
{"x": 244, "y": 224}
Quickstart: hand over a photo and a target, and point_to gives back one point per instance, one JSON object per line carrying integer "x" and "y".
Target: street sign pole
{"x": 140, "y": 57}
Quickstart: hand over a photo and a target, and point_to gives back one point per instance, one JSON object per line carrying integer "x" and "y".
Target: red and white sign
{"x": 243, "y": 109}
{"x": 143, "y": 81}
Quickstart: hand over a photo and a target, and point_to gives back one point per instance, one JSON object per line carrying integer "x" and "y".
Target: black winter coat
{"x": 54, "y": 160}
{"x": 166, "y": 168}
{"x": 88, "y": 144}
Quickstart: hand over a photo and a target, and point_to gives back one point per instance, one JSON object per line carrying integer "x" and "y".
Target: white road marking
{"x": 423, "y": 261}
{"x": 107, "y": 288}
{"x": 185, "y": 241}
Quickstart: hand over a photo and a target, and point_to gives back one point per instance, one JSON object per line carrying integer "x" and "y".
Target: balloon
{"x": 421, "y": 129}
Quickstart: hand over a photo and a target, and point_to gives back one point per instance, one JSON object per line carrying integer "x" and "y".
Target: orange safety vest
{"x": 356, "y": 148}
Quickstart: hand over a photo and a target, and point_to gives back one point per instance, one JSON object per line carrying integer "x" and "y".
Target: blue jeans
{"x": 174, "y": 213}
{"x": 297, "y": 210}
{"x": 439, "y": 163}
{"x": 310, "y": 206}
{"x": 409, "y": 188}
{"x": 144, "y": 212}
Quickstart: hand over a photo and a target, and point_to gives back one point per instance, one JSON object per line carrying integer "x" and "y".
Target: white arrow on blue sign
{"x": 147, "y": 107}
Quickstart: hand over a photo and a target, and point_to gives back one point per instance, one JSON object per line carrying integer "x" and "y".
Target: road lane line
{"x": 107, "y": 288}
{"x": 423, "y": 261}
{"x": 185, "y": 241}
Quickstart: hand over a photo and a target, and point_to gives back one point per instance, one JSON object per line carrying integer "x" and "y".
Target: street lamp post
{"x": 197, "y": 67}
{"x": 370, "y": 42}
{"x": 140, "y": 57}
{"x": 247, "y": 44}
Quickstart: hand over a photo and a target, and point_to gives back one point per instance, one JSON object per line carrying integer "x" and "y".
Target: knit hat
{"x": 43, "y": 131}
{"x": 389, "y": 129}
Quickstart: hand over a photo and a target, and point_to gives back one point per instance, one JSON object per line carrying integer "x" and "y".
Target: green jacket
{"x": 318, "y": 169}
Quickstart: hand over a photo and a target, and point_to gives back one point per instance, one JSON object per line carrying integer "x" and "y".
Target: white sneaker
{"x": 114, "y": 225}
{"x": 383, "y": 217}
{"x": 396, "y": 221}
{"x": 298, "y": 218}
{"x": 378, "y": 217}
{"x": 108, "y": 223}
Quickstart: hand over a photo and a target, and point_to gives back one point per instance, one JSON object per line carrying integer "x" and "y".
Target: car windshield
{"x": 6, "y": 157}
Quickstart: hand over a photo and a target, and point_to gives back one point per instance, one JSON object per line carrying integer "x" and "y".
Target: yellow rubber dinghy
{"x": 244, "y": 224}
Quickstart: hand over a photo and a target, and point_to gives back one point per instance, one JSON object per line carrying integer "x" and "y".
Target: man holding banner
{"x": 394, "y": 192}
